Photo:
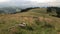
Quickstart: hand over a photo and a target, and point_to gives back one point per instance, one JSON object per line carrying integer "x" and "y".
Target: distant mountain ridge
{"x": 9, "y": 9}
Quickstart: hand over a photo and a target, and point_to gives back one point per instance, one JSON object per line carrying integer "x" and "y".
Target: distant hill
{"x": 10, "y": 9}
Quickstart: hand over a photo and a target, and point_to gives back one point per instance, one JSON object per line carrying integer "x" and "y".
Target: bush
{"x": 54, "y": 10}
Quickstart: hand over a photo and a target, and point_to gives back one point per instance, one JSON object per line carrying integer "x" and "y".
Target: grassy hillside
{"x": 37, "y": 20}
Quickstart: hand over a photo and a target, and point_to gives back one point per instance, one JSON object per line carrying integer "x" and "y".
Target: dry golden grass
{"x": 9, "y": 20}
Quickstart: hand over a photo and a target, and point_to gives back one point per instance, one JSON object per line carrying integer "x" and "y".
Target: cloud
{"x": 29, "y": 3}
{"x": 42, "y": 1}
{"x": 4, "y": 1}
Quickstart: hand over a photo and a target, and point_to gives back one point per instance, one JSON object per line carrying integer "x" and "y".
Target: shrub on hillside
{"x": 54, "y": 10}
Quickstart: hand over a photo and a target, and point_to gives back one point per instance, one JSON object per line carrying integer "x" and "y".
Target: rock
{"x": 22, "y": 25}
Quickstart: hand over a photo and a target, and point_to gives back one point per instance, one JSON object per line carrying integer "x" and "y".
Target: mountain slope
{"x": 37, "y": 20}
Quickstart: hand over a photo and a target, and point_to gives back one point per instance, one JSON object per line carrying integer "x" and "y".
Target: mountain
{"x": 9, "y": 9}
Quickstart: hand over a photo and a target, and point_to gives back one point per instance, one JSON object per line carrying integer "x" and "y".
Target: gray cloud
{"x": 28, "y": 3}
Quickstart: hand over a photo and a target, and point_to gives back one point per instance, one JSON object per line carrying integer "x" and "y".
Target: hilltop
{"x": 37, "y": 20}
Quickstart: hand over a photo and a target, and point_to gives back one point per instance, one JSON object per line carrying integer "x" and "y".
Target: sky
{"x": 29, "y": 3}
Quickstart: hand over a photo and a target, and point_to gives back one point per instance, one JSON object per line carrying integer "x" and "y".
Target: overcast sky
{"x": 29, "y": 3}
